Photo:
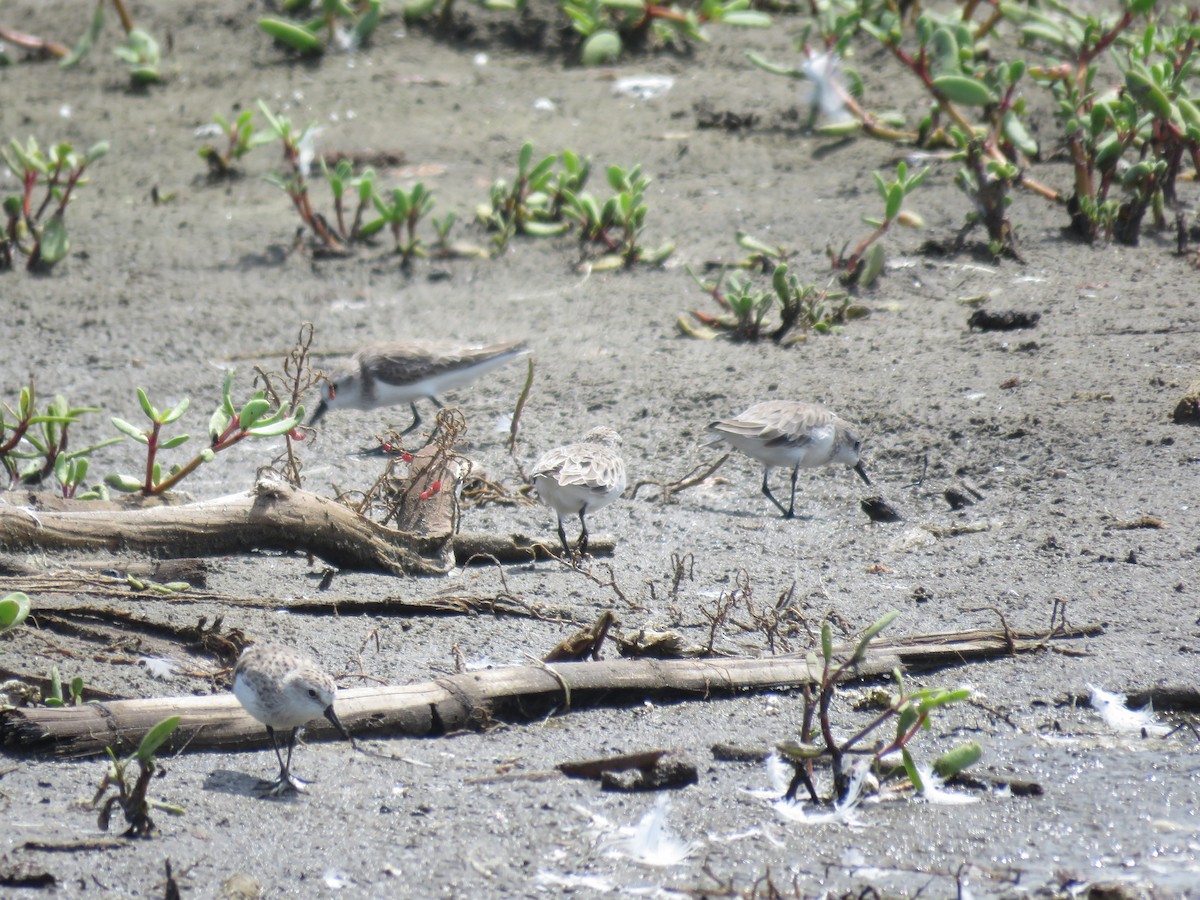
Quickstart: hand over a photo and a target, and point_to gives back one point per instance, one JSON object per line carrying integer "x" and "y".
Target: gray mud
{"x": 1064, "y": 428}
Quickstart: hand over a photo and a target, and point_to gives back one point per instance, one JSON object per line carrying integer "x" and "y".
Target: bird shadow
{"x": 764, "y": 514}
{"x": 227, "y": 781}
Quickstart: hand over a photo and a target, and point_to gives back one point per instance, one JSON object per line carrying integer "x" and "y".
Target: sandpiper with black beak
{"x": 791, "y": 434}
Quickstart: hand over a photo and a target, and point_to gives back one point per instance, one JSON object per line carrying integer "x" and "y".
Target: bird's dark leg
{"x": 283, "y": 769}
{"x": 766, "y": 489}
{"x": 287, "y": 769}
{"x": 562, "y": 536}
{"x": 792, "y": 503}
{"x": 583, "y": 535}
{"x": 416, "y": 419}
{"x": 286, "y": 783}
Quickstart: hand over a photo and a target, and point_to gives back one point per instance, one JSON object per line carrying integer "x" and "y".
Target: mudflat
{"x": 1086, "y": 490}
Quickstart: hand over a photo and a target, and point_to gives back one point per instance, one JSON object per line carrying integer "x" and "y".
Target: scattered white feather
{"x": 650, "y": 842}
{"x": 643, "y": 87}
{"x": 308, "y": 149}
{"x": 1119, "y": 717}
{"x": 843, "y": 812}
{"x": 933, "y": 790}
{"x": 159, "y": 667}
{"x": 335, "y": 880}
{"x": 824, "y": 70}
{"x": 779, "y": 774}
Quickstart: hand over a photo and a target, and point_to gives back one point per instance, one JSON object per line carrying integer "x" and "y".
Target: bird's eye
{"x": 312, "y": 692}
{"x": 858, "y": 446}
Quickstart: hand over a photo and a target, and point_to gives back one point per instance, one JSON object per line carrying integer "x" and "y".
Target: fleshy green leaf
{"x": 873, "y": 632}
{"x": 175, "y": 412}
{"x": 126, "y": 483}
{"x": 291, "y": 35}
{"x": 88, "y": 40}
{"x": 13, "y": 610}
{"x": 55, "y": 244}
{"x": 961, "y": 757}
{"x": 129, "y": 430}
{"x": 171, "y": 443}
{"x": 252, "y": 412}
{"x": 156, "y": 737}
{"x": 963, "y": 89}
{"x": 601, "y": 47}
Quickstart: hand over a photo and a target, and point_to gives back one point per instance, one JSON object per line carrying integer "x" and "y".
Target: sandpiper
{"x": 284, "y": 688}
{"x": 579, "y": 478}
{"x": 790, "y": 433}
{"x": 407, "y": 371}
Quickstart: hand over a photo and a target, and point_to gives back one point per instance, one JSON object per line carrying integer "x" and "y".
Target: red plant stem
{"x": 51, "y": 183}
{"x": 148, "y": 486}
{"x": 29, "y": 183}
{"x": 230, "y": 436}
{"x": 19, "y": 430}
{"x": 952, "y": 111}
{"x": 901, "y": 741}
{"x": 852, "y": 263}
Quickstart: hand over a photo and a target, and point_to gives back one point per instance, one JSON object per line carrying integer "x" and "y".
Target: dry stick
{"x": 394, "y": 605}
{"x": 33, "y": 42}
{"x": 273, "y": 516}
{"x": 474, "y": 699}
{"x": 515, "y": 427}
{"x": 123, "y": 15}
{"x": 698, "y": 475}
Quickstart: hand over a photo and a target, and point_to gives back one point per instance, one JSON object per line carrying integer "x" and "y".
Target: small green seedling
{"x": 227, "y": 426}
{"x": 617, "y": 224}
{"x": 37, "y": 444}
{"x": 140, "y": 51}
{"x": 35, "y": 226}
{"x": 55, "y": 697}
{"x": 532, "y": 203}
{"x": 908, "y": 711}
{"x": 241, "y": 137}
{"x": 865, "y": 262}
{"x": 131, "y": 798}
{"x": 400, "y": 213}
{"x": 747, "y": 309}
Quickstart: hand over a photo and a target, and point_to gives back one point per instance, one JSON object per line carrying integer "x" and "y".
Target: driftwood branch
{"x": 273, "y": 516}
{"x": 474, "y": 699}
{"x": 78, "y": 592}
{"x": 515, "y": 547}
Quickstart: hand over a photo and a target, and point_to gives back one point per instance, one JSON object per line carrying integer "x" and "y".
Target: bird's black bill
{"x": 337, "y": 723}
{"x": 862, "y": 473}
{"x": 317, "y": 413}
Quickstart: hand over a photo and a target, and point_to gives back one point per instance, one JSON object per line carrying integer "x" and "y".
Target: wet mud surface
{"x": 1062, "y": 429}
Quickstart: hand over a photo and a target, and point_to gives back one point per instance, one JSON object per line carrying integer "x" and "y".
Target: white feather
{"x": 933, "y": 790}
{"x": 650, "y": 842}
{"x": 1119, "y": 717}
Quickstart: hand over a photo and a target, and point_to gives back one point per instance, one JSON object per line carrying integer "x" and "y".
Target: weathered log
{"x": 274, "y": 515}
{"x": 475, "y": 699}
{"x": 515, "y": 547}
